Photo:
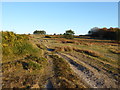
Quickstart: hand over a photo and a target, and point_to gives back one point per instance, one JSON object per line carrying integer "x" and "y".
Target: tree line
{"x": 69, "y": 34}
{"x": 101, "y": 33}
{"x": 105, "y": 33}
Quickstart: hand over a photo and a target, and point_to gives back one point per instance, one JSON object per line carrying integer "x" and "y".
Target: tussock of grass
{"x": 89, "y": 52}
{"x": 115, "y": 51}
{"x": 69, "y": 48}
{"x": 97, "y": 55}
{"x": 64, "y": 48}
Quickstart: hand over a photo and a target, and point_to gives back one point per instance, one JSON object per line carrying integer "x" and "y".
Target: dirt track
{"x": 88, "y": 74}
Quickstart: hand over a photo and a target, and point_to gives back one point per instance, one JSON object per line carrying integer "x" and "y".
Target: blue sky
{"x": 25, "y": 17}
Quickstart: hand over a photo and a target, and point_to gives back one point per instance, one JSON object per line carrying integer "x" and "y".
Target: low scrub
{"x": 34, "y": 65}
{"x": 36, "y": 59}
{"x": 24, "y": 48}
{"x": 16, "y": 44}
{"x": 89, "y": 52}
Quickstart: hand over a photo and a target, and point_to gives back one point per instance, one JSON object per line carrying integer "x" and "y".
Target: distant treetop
{"x": 69, "y": 34}
{"x": 41, "y": 32}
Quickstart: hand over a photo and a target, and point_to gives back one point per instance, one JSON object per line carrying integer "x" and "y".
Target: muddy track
{"x": 49, "y": 84}
{"x": 100, "y": 68}
{"x": 88, "y": 74}
{"x": 50, "y": 79}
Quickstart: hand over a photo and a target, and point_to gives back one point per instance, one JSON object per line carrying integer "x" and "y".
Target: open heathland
{"x": 52, "y": 61}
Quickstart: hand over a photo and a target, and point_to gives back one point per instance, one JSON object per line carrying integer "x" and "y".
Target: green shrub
{"x": 69, "y": 36}
{"x": 6, "y": 51}
{"x": 16, "y": 44}
{"x": 34, "y": 65}
{"x": 23, "y": 48}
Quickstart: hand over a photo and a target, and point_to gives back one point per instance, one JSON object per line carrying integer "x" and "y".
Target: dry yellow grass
{"x": 64, "y": 48}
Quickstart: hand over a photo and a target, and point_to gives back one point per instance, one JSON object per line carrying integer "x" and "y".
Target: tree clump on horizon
{"x": 105, "y": 33}
{"x": 69, "y": 34}
{"x": 41, "y": 32}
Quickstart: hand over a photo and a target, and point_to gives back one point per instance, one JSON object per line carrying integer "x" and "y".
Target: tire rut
{"x": 87, "y": 74}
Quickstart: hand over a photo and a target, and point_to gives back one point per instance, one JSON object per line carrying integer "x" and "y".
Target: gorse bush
{"x": 16, "y": 44}
{"x": 23, "y": 48}
{"x": 10, "y": 38}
